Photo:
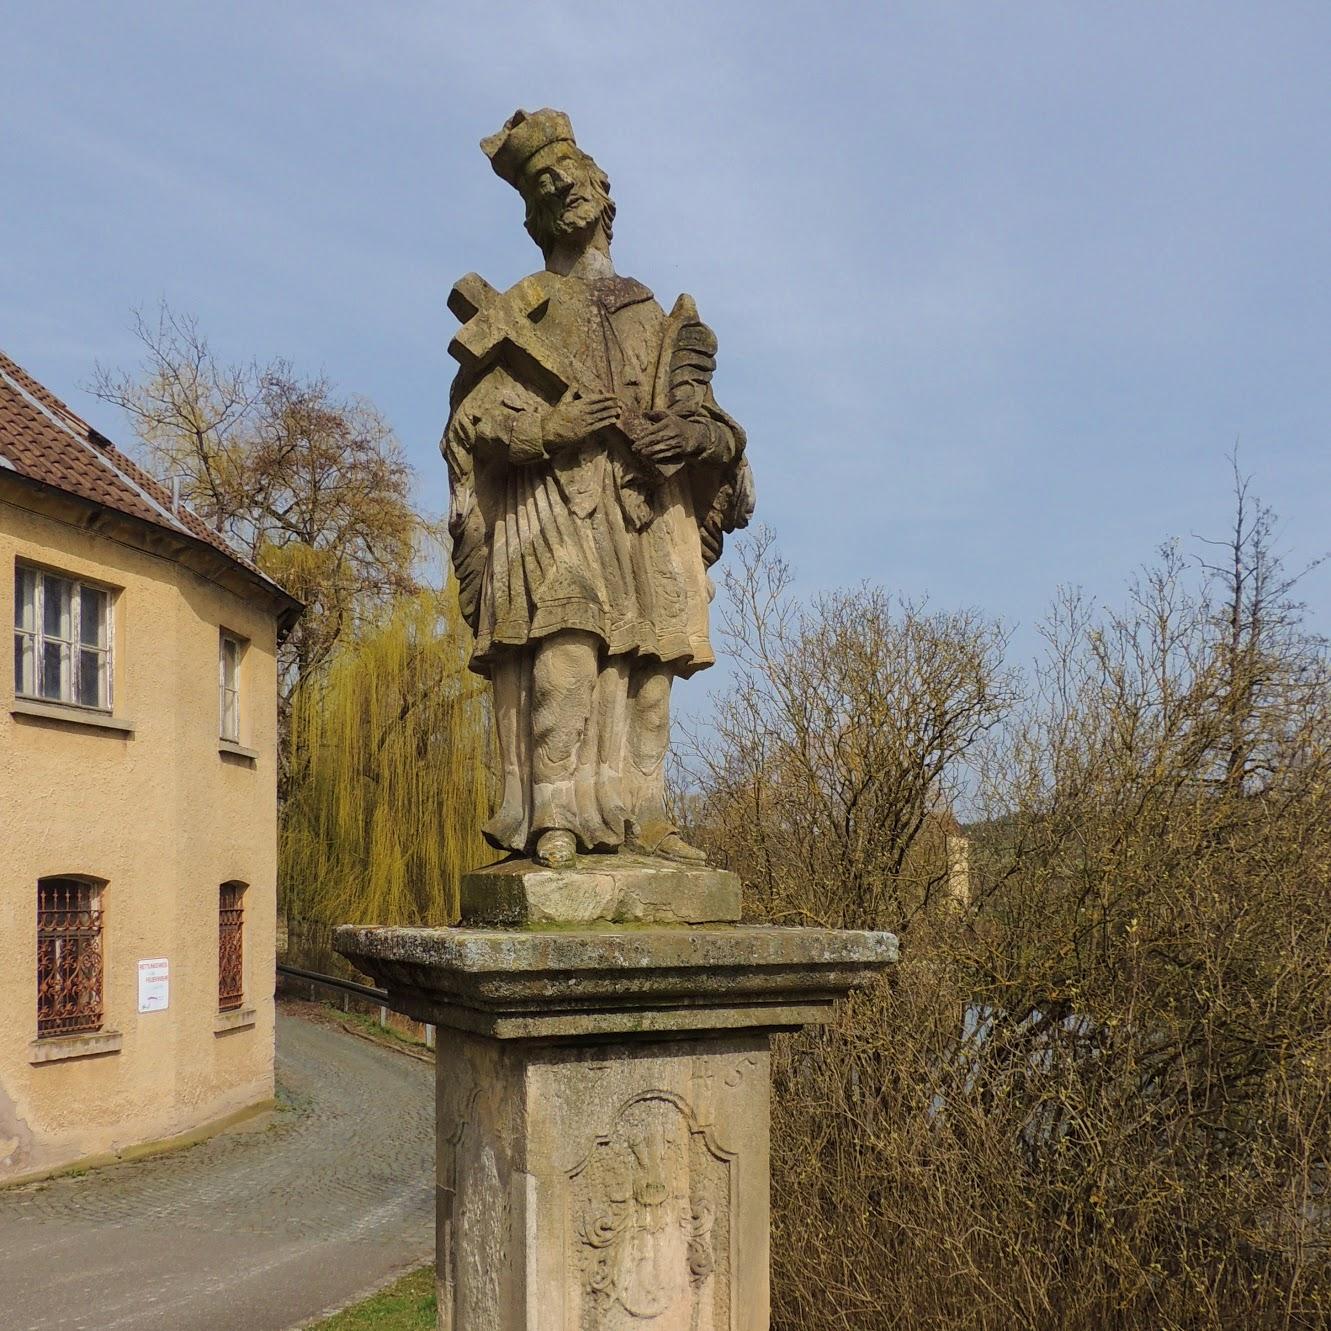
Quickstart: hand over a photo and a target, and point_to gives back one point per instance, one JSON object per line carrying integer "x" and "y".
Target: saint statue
{"x": 592, "y": 478}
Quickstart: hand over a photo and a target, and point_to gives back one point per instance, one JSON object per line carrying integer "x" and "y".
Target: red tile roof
{"x": 42, "y": 439}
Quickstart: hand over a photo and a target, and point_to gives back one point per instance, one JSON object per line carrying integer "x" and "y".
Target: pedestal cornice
{"x": 617, "y": 982}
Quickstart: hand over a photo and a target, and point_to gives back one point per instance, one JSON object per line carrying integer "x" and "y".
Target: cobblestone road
{"x": 251, "y": 1231}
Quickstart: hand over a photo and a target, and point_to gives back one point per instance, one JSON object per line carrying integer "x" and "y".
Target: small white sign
{"x": 154, "y": 984}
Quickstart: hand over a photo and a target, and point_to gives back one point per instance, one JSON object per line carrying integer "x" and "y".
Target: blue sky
{"x": 997, "y": 285}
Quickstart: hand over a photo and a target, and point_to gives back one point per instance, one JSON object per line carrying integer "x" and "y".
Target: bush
{"x": 1096, "y": 1093}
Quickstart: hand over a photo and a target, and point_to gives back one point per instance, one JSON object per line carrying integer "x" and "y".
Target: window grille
{"x": 69, "y": 956}
{"x": 229, "y": 689}
{"x": 62, "y": 639}
{"x": 230, "y": 947}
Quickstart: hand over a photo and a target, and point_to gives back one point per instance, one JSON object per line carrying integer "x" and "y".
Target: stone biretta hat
{"x": 523, "y": 136}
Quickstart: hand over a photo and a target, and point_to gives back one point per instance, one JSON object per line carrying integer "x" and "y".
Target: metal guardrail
{"x": 332, "y": 982}
{"x": 379, "y": 996}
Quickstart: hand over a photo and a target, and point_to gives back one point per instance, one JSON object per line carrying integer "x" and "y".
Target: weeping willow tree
{"x": 390, "y": 775}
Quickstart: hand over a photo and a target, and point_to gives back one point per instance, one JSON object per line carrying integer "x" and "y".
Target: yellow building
{"x": 138, "y": 735}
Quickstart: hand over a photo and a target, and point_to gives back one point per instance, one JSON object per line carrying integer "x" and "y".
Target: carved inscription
{"x": 650, "y": 1223}
{"x": 732, "y": 1077}
{"x": 483, "y": 1239}
{"x": 473, "y": 1223}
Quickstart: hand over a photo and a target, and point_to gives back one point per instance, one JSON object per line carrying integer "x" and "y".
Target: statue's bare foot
{"x": 556, "y": 849}
{"x": 674, "y": 847}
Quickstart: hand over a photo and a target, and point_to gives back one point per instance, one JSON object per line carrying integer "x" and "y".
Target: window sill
{"x": 57, "y": 1048}
{"x": 232, "y": 750}
{"x": 68, "y": 715}
{"x": 234, "y": 1019}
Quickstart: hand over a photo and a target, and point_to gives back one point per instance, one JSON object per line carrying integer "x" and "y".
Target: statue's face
{"x": 565, "y": 193}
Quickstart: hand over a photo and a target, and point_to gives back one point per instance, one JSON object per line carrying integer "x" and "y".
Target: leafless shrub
{"x": 1097, "y": 1093}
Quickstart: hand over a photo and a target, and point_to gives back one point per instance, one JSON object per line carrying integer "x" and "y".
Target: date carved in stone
{"x": 651, "y": 1217}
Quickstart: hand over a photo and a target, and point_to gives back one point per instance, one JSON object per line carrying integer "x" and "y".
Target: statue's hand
{"x": 575, "y": 419}
{"x": 670, "y": 439}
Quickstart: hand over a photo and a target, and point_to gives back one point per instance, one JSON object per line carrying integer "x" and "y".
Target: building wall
{"x": 164, "y": 818}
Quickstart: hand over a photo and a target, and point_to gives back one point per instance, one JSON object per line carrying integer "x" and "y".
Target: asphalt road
{"x": 251, "y": 1231}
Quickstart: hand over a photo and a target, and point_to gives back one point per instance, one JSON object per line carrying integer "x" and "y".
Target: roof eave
{"x": 176, "y": 544}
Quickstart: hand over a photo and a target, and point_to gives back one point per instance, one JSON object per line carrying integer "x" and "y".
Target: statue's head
{"x": 566, "y": 193}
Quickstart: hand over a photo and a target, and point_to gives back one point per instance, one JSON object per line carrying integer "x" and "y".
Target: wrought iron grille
{"x": 69, "y": 957}
{"x": 230, "y": 948}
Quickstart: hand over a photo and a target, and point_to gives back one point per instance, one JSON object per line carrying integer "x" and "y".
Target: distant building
{"x": 138, "y": 735}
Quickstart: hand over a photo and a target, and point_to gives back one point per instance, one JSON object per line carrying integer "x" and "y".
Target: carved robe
{"x": 592, "y": 540}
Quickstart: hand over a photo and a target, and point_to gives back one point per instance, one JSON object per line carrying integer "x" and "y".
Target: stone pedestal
{"x": 603, "y": 1105}
{"x": 608, "y": 888}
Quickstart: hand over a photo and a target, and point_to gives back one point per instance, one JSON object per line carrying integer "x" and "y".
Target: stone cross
{"x": 505, "y": 327}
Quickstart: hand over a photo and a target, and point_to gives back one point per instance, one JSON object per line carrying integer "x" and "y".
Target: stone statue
{"x": 603, "y": 1094}
{"x": 592, "y": 477}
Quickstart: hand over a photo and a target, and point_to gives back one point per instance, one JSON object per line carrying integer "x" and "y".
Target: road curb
{"x": 146, "y": 1150}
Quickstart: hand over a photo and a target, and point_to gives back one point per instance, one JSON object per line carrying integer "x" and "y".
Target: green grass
{"x": 407, "y": 1305}
{"x": 371, "y": 1027}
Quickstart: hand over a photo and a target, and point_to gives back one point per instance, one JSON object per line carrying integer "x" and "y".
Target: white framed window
{"x": 228, "y": 688}
{"x": 62, "y": 639}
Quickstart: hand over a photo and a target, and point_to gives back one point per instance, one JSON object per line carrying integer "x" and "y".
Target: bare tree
{"x": 831, "y": 762}
{"x": 1256, "y": 612}
{"x": 312, "y": 486}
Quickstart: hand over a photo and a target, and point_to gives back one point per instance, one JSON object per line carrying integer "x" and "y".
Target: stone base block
{"x": 603, "y": 1188}
{"x": 603, "y": 1112}
{"x": 610, "y": 888}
